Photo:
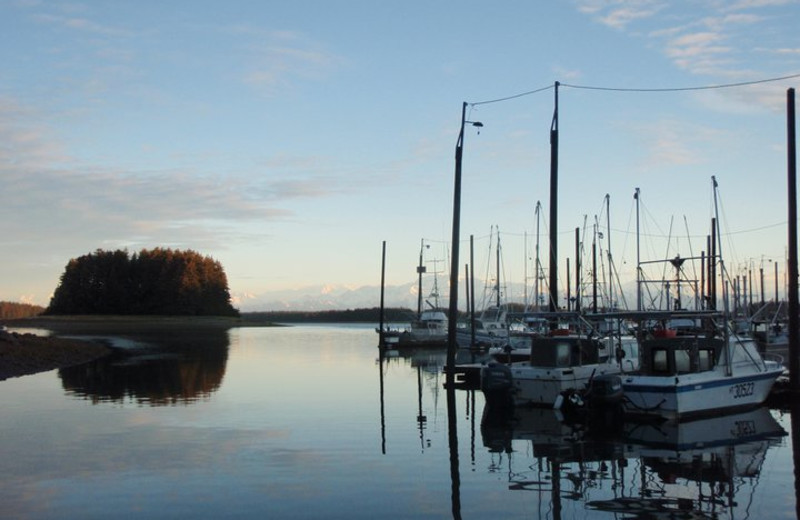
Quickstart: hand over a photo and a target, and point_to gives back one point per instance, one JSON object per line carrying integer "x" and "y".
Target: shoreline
{"x": 28, "y": 354}
{"x": 23, "y": 353}
{"x": 121, "y": 324}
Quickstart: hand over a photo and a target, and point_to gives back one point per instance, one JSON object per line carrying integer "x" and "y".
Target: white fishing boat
{"x": 430, "y": 326}
{"x": 706, "y": 370}
{"x": 558, "y": 365}
{"x": 688, "y": 376}
{"x": 491, "y": 330}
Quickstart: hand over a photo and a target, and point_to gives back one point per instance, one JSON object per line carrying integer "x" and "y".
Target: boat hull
{"x": 522, "y": 385}
{"x": 694, "y": 395}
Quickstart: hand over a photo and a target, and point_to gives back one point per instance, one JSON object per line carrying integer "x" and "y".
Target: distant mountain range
{"x": 340, "y": 297}
{"x": 328, "y": 297}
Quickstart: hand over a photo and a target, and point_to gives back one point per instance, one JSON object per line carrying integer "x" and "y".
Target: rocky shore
{"x": 25, "y": 354}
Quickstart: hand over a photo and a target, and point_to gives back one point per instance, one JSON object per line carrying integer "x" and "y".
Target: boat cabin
{"x": 679, "y": 355}
{"x": 565, "y": 351}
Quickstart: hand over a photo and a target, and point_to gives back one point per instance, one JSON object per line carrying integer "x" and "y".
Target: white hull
{"x": 695, "y": 394}
{"x": 542, "y": 386}
{"x": 557, "y": 365}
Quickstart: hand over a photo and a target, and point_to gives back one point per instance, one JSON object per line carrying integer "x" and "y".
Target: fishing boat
{"x": 769, "y": 327}
{"x": 685, "y": 376}
{"x": 564, "y": 362}
{"x": 490, "y": 330}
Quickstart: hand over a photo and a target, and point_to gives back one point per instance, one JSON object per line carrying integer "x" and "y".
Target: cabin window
{"x": 563, "y": 355}
{"x": 551, "y": 354}
{"x": 683, "y": 363}
{"x": 705, "y": 359}
{"x": 660, "y": 361}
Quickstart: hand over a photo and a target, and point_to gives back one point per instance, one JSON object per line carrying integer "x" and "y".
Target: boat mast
{"x": 538, "y": 265}
{"x": 420, "y": 270}
{"x": 726, "y": 314}
{"x": 638, "y": 267}
{"x": 525, "y": 259}
{"x": 610, "y": 261}
{"x": 497, "y": 267}
{"x": 594, "y": 267}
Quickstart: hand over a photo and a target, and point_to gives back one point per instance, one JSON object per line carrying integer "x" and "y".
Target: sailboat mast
{"x": 525, "y": 259}
{"x": 722, "y": 273}
{"x": 638, "y": 258}
{"x": 538, "y": 265}
{"x": 610, "y": 263}
{"x": 420, "y": 270}
{"x": 497, "y": 267}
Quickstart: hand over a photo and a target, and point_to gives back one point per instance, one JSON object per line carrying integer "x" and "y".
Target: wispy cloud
{"x": 80, "y": 24}
{"x": 61, "y": 199}
{"x": 712, "y": 39}
{"x": 281, "y": 58}
{"x": 620, "y": 13}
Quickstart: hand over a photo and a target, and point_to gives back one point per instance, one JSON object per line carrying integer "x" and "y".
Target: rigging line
{"x": 680, "y": 89}
{"x": 515, "y": 96}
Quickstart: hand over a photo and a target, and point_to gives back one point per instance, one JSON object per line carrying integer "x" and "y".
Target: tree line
{"x": 15, "y": 310}
{"x": 150, "y": 282}
{"x": 370, "y": 315}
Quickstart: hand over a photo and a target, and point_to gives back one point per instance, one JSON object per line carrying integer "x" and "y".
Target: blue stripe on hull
{"x": 692, "y": 386}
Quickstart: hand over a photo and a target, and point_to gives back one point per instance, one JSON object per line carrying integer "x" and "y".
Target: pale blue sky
{"x": 289, "y": 139}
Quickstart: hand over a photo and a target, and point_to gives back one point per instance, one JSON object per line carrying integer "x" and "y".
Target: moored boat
{"x": 689, "y": 376}
{"x": 559, "y": 364}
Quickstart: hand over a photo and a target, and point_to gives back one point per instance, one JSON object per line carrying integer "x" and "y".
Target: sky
{"x": 289, "y": 140}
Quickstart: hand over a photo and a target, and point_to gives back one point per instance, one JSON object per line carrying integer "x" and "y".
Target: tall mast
{"x": 420, "y": 270}
{"x": 538, "y": 265}
{"x": 525, "y": 259}
{"x": 610, "y": 264}
{"x": 722, "y": 273}
{"x": 497, "y": 285}
{"x": 638, "y": 267}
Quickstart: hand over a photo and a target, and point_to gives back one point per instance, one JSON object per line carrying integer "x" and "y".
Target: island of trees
{"x": 150, "y": 282}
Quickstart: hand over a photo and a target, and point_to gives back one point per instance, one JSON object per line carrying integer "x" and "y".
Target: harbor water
{"x": 310, "y": 421}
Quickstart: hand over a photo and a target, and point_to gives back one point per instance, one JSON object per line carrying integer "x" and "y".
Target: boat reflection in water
{"x": 155, "y": 368}
{"x": 699, "y": 469}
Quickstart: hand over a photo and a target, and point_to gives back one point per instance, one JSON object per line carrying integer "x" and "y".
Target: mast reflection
{"x": 692, "y": 470}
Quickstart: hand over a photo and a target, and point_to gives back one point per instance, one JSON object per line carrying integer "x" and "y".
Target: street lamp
{"x": 454, "y": 266}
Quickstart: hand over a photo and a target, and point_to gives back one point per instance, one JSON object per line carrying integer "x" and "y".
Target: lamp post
{"x": 454, "y": 265}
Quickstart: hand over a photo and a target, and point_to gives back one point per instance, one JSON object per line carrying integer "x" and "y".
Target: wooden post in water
{"x": 381, "y": 342}
{"x": 703, "y": 280}
{"x": 577, "y": 269}
{"x": 553, "y": 265}
{"x": 794, "y": 333}
{"x": 472, "y": 290}
{"x": 594, "y": 275}
{"x": 569, "y": 299}
{"x": 776, "y": 285}
{"x": 468, "y": 294}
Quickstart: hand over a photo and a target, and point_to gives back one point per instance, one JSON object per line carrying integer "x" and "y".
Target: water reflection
{"x": 696, "y": 469}
{"x": 156, "y": 368}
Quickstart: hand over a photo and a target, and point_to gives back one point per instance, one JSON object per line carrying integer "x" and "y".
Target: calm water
{"x": 305, "y": 422}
